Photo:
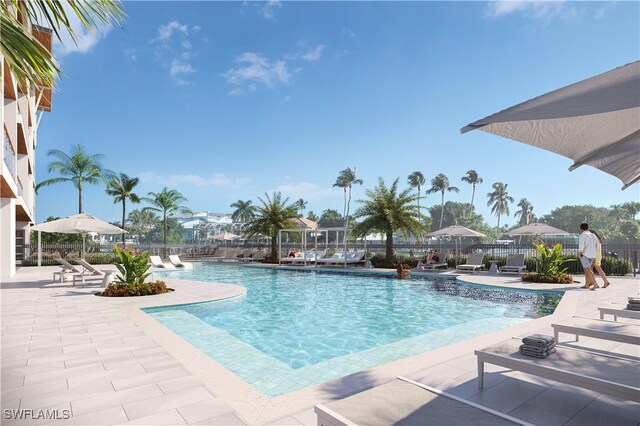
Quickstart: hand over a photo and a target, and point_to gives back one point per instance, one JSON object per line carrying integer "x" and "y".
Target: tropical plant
{"x": 27, "y": 58}
{"x": 416, "y": 180}
{"x": 499, "y": 200}
{"x": 133, "y": 266}
{"x": 301, "y": 205}
{"x": 166, "y": 202}
{"x": 121, "y": 188}
{"x": 388, "y": 211}
{"x": 130, "y": 290}
{"x": 549, "y": 260}
{"x": 346, "y": 179}
{"x": 456, "y": 213}
{"x": 474, "y": 179}
{"x": 312, "y": 216}
{"x": 525, "y": 213}
{"x": 141, "y": 222}
{"x": 440, "y": 183}
{"x": 78, "y": 168}
{"x": 273, "y": 215}
{"x": 244, "y": 211}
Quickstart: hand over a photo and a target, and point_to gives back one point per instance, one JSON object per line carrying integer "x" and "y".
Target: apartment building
{"x": 22, "y": 111}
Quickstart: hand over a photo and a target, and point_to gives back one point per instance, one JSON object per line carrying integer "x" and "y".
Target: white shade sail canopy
{"x": 595, "y": 122}
{"x": 536, "y": 229}
{"x": 455, "y": 231}
{"x": 225, "y": 236}
{"x": 82, "y": 223}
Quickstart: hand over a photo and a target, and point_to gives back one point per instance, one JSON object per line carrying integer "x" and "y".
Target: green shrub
{"x": 128, "y": 290}
{"x": 133, "y": 266}
{"x": 535, "y": 277}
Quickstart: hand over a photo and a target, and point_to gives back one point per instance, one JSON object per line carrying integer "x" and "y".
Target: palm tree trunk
{"x": 389, "y": 246}
{"x": 123, "y": 218}
{"x": 274, "y": 249}
{"x": 344, "y": 206}
{"x": 473, "y": 194}
{"x": 442, "y": 211}
{"x": 79, "y": 197}
{"x": 346, "y": 221}
{"x": 164, "y": 228}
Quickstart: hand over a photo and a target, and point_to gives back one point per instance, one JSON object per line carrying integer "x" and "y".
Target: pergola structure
{"x": 317, "y": 231}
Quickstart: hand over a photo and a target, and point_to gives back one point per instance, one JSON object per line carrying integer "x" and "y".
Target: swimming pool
{"x": 294, "y": 329}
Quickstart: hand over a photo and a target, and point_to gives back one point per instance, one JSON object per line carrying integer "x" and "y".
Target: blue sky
{"x": 229, "y": 100}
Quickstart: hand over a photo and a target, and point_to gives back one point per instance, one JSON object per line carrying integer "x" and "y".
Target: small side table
{"x": 494, "y": 266}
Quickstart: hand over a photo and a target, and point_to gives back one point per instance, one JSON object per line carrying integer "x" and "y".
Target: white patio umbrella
{"x": 225, "y": 236}
{"x": 455, "y": 231}
{"x": 536, "y": 228}
{"x": 595, "y": 121}
{"x": 82, "y": 223}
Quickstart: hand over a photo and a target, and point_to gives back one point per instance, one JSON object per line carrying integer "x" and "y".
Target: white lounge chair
{"x": 175, "y": 260}
{"x": 158, "y": 263}
{"x": 67, "y": 269}
{"x": 515, "y": 264}
{"x": 597, "y": 372}
{"x": 90, "y": 272}
{"x": 474, "y": 262}
{"x": 405, "y": 402}
{"x": 433, "y": 266}
{"x": 336, "y": 258}
{"x": 306, "y": 257}
{"x": 599, "y": 329}
{"x": 618, "y": 310}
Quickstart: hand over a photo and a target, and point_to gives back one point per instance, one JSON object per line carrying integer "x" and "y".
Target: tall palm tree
{"x": 474, "y": 179}
{"x": 273, "y": 215}
{"x": 27, "y": 58}
{"x": 301, "y": 204}
{"x": 244, "y": 211}
{"x": 499, "y": 200}
{"x": 347, "y": 178}
{"x": 121, "y": 188}
{"x": 525, "y": 213}
{"x": 440, "y": 183}
{"x": 78, "y": 168}
{"x": 416, "y": 180}
{"x": 141, "y": 222}
{"x": 388, "y": 211}
{"x": 166, "y": 202}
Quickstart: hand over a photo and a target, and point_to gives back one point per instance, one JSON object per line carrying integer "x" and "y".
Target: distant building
{"x": 202, "y": 224}
{"x": 20, "y": 123}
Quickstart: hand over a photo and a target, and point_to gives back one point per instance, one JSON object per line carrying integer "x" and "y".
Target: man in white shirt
{"x": 587, "y": 249}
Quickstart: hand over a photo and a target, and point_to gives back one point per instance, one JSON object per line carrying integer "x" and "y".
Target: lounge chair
{"x": 600, "y": 329}
{"x": 597, "y": 372}
{"x": 515, "y": 264}
{"x": 89, "y": 271}
{"x": 336, "y": 258}
{"x": 175, "y": 260}
{"x": 474, "y": 262}
{"x": 67, "y": 269}
{"x": 158, "y": 263}
{"x": 618, "y": 310}
{"x": 405, "y": 402}
{"x": 306, "y": 257}
{"x": 433, "y": 266}
{"x": 351, "y": 258}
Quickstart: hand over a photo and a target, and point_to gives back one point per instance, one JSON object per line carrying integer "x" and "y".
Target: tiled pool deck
{"x": 106, "y": 362}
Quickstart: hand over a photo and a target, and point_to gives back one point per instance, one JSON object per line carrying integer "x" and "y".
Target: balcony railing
{"x": 9, "y": 156}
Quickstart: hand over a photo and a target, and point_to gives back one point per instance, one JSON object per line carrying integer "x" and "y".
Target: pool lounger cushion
{"x": 405, "y": 402}
{"x": 599, "y": 329}
{"x": 605, "y": 374}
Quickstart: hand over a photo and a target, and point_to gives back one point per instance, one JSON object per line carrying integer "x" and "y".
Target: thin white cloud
{"x": 166, "y": 31}
{"x": 218, "y": 180}
{"x": 314, "y": 54}
{"x": 131, "y": 54}
{"x": 306, "y": 190}
{"x": 268, "y": 9}
{"x": 255, "y": 68}
{"x": 179, "y": 67}
{"x": 541, "y": 10}
{"x": 85, "y": 40}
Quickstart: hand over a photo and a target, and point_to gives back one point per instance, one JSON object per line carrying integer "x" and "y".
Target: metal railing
{"x": 9, "y": 156}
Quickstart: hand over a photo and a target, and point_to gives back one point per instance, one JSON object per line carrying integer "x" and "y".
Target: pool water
{"x": 294, "y": 329}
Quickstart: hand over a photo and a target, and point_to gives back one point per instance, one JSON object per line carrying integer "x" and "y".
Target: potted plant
{"x": 133, "y": 267}
{"x": 548, "y": 264}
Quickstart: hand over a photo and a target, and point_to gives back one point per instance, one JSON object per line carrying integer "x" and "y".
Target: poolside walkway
{"x": 105, "y": 362}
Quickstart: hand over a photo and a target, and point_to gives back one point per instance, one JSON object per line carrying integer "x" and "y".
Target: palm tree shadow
{"x": 351, "y": 384}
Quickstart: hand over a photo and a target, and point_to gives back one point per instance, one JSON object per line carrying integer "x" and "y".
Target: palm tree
{"x": 271, "y": 217}
{"x": 472, "y": 178}
{"x": 121, "y": 188}
{"x": 301, "y": 205}
{"x": 440, "y": 183}
{"x": 346, "y": 179}
{"x": 525, "y": 212}
{"x": 27, "y": 58}
{"x": 499, "y": 200}
{"x": 244, "y": 211}
{"x": 388, "y": 211}
{"x": 165, "y": 202}
{"x": 416, "y": 180}
{"x": 77, "y": 168}
{"x": 141, "y": 222}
